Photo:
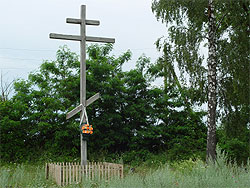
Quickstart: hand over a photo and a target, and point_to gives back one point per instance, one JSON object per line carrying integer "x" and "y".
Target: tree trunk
{"x": 211, "y": 121}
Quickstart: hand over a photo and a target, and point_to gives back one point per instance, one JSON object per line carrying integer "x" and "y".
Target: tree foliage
{"x": 132, "y": 118}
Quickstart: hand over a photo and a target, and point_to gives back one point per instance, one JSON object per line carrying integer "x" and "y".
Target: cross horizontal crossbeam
{"x": 93, "y": 99}
{"x": 74, "y": 111}
{"x": 64, "y": 37}
{"x": 79, "y": 21}
{"x": 80, "y": 107}
{"x": 100, "y": 39}
{"x": 79, "y": 38}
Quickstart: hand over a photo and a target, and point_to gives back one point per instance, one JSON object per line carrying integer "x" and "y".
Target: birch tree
{"x": 211, "y": 63}
{"x": 205, "y": 27}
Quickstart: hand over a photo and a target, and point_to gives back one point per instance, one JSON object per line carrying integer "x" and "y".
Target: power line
{"x": 26, "y": 49}
{"x": 134, "y": 49}
{"x": 40, "y": 60}
{"x": 21, "y": 58}
{"x": 29, "y": 59}
{"x": 16, "y": 68}
{"x": 132, "y": 59}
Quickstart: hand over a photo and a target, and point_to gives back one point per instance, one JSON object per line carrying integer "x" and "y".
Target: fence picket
{"x": 56, "y": 169}
{"x": 93, "y": 170}
{"x": 46, "y": 171}
{"x": 60, "y": 174}
{"x": 73, "y": 166}
{"x": 122, "y": 171}
{"x": 70, "y": 173}
{"x": 86, "y": 172}
{"x": 113, "y": 171}
{"x": 56, "y": 173}
{"x": 108, "y": 172}
{"x": 99, "y": 172}
{"x": 105, "y": 172}
{"x": 66, "y": 174}
{"x": 102, "y": 171}
{"x": 80, "y": 172}
{"x": 63, "y": 174}
{"x": 76, "y": 172}
{"x": 89, "y": 171}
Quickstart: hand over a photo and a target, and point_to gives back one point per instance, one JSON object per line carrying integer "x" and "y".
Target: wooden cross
{"x": 82, "y": 38}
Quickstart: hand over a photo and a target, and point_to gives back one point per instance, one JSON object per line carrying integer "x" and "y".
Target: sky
{"x": 25, "y": 26}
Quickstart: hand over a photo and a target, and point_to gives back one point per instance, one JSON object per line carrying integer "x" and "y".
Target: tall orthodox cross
{"x": 83, "y": 39}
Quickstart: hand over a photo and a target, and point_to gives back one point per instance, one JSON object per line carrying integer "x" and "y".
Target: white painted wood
{"x": 64, "y": 37}
{"x": 74, "y": 111}
{"x": 100, "y": 39}
{"x": 92, "y": 99}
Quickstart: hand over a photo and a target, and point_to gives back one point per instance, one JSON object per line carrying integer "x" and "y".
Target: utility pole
{"x": 83, "y": 39}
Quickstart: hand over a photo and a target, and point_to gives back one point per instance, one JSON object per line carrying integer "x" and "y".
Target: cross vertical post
{"x": 83, "y": 144}
{"x": 82, "y": 38}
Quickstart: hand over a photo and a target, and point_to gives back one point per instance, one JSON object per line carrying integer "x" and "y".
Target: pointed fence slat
{"x": 73, "y": 172}
{"x": 70, "y": 178}
{"x": 67, "y": 174}
{"x": 80, "y": 172}
{"x": 63, "y": 175}
{"x": 76, "y": 172}
{"x": 89, "y": 171}
{"x": 93, "y": 169}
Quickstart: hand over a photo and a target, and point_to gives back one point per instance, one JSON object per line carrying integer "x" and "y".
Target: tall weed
{"x": 185, "y": 174}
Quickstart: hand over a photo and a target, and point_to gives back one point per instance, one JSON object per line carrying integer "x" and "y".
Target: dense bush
{"x": 132, "y": 118}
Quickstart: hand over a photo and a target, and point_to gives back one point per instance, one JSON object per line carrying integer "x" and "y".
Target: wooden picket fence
{"x": 67, "y": 173}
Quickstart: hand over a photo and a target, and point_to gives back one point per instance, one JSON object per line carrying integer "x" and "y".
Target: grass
{"x": 183, "y": 174}
{"x": 22, "y": 176}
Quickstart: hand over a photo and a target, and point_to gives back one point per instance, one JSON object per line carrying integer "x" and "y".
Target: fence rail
{"x": 67, "y": 173}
